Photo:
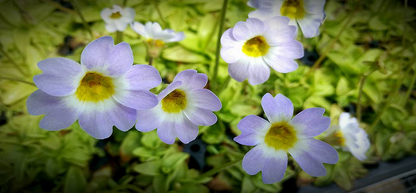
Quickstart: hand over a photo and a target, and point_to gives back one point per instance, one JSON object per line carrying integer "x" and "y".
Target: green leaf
{"x": 151, "y": 140}
{"x": 161, "y": 183}
{"x": 130, "y": 142}
{"x": 342, "y": 87}
{"x": 246, "y": 185}
{"x": 151, "y": 168}
{"x": 180, "y": 54}
{"x": 375, "y": 23}
{"x": 172, "y": 161}
{"x": 206, "y": 30}
{"x": 75, "y": 180}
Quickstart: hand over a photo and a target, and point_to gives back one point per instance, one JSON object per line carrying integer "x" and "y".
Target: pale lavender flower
{"x": 252, "y": 46}
{"x": 102, "y": 92}
{"x": 183, "y": 105}
{"x": 280, "y": 135}
{"x": 118, "y": 18}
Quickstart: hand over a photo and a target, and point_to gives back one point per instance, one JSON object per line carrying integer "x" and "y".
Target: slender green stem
{"x": 150, "y": 61}
{"x": 218, "y": 169}
{"x": 84, "y": 22}
{"x": 18, "y": 80}
{"x": 217, "y": 51}
{"x": 360, "y": 92}
{"x": 410, "y": 89}
{"x": 124, "y": 2}
{"x": 119, "y": 36}
{"x": 17, "y": 66}
{"x": 60, "y": 7}
{"x": 155, "y": 3}
{"x": 225, "y": 84}
{"x": 332, "y": 43}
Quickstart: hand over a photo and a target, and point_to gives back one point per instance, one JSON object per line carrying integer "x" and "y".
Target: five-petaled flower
{"x": 154, "y": 34}
{"x": 280, "y": 135}
{"x": 183, "y": 105}
{"x": 118, "y": 18}
{"x": 105, "y": 90}
{"x": 309, "y": 14}
{"x": 351, "y": 136}
{"x": 252, "y": 46}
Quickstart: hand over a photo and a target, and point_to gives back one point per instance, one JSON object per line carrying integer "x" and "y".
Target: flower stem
{"x": 150, "y": 61}
{"x": 332, "y": 43}
{"x": 4, "y": 53}
{"x": 159, "y": 13}
{"x": 84, "y": 22}
{"x": 18, "y": 80}
{"x": 119, "y": 36}
{"x": 360, "y": 92}
{"x": 217, "y": 51}
{"x": 218, "y": 169}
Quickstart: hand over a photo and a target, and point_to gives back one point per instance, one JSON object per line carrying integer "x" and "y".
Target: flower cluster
{"x": 107, "y": 90}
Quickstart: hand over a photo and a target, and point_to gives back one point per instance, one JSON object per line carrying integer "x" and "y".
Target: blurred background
{"x": 365, "y": 47}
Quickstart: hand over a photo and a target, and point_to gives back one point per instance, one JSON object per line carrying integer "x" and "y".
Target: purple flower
{"x": 103, "y": 91}
{"x": 252, "y": 46}
{"x": 280, "y": 135}
{"x": 309, "y": 14}
{"x": 183, "y": 105}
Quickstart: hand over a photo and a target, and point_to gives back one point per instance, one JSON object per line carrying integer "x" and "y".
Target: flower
{"x": 103, "y": 91}
{"x": 252, "y": 46}
{"x": 118, "y": 18}
{"x": 153, "y": 33}
{"x": 352, "y": 137}
{"x": 281, "y": 134}
{"x": 309, "y": 14}
{"x": 183, "y": 105}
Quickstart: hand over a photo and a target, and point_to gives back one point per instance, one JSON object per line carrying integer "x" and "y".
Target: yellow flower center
{"x": 340, "y": 138}
{"x": 294, "y": 9}
{"x": 157, "y": 43}
{"x": 281, "y": 136}
{"x": 115, "y": 15}
{"x": 256, "y": 47}
{"x": 174, "y": 102}
{"x": 95, "y": 87}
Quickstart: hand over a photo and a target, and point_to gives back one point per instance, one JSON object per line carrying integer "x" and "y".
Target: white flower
{"x": 309, "y": 14}
{"x": 152, "y": 32}
{"x": 118, "y": 18}
{"x": 252, "y": 46}
{"x": 352, "y": 137}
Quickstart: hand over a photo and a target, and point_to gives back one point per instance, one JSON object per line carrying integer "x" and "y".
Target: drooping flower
{"x": 280, "y": 135}
{"x": 183, "y": 105}
{"x": 155, "y": 37}
{"x": 103, "y": 91}
{"x": 351, "y": 136}
{"x": 118, "y": 18}
{"x": 309, "y": 14}
{"x": 252, "y": 46}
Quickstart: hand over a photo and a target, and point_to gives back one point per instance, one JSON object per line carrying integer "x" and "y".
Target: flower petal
{"x": 311, "y": 122}
{"x": 310, "y": 25}
{"x": 148, "y": 120}
{"x": 228, "y": 40}
{"x": 166, "y": 132}
{"x": 321, "y": 151}
{"x": 264, "y": 8}
{"x": 231, "y": 54}
{"x": 110, "y": 27}
{"x": 139, "y": 28}
{"x": 239, "y": 71}
{"x": 191, "y": 79}
{"x": 200, "y": 116}
{"x": 142, "y": 77}
{"x": 57, "y": 114}
{"x": 204, "y": 98}
{"x": 259, "y": 72}
{"x": 102, "y": 54}
{"x": 274, "y": 167}
{"x": 345, "y": 119}
{"x": 186, "y": 131}
{"x": 278, "y": 30}
{"x": 308, "y": 163}
{"x": 98, "y": 124}
{"x": 171, "y": 87}
{"x": 254, "y": 160}
{"x": 243, "y": 31}
{"x": 280, "y": 63}
{"x": 277, "y": 109}
{"x": 253, "y": 130}
{"x": 291, "y": 49}
{"x": 61, "y": 76}
{"x": 123, "y": 117}
{"x": 140, "y": 100}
